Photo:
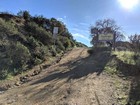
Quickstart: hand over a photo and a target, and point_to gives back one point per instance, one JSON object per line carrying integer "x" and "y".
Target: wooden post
{"x": 114, "y": 41}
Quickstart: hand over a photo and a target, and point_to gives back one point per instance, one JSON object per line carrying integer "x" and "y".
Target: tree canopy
{"x": 103, "y": 27}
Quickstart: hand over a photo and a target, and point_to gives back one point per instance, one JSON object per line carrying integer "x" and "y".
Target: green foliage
{"x": 54, "y": 52}
{"x": 41, "y": 52}
{"x": 67, "y": 43}
{"x": 3, "y": 73}
{"x": 13, "y": 55}
{"x": 19, "y": 55}
{"x": 123, "y": 62}
{"x": 25, "y": 14}
{"x": 73, "y": 44}
{"x": 60, "y": 45}
{"x": 39, "y": 33}
{"x": 111, "y": 67}
{"x": 136, "y": 58}
{"x": 40, "y": 20}
{"x": 37, "y": 61}
{"x": 13, "y": 58}
{"x": 29, "y": 43}
{"x": 126, "y": 56}
{"x": 79, "y": 44}
{"x": 103, "y": 27}
{"x": 138, "y": 103}
{"x": 37, "y": 50}
{"x": 7, "y": 28}
{"x": 33, "y": 42}
{"x": 58, "y": 50}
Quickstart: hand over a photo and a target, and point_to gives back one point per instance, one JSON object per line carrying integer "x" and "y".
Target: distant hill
{"x": 26, "y": 41}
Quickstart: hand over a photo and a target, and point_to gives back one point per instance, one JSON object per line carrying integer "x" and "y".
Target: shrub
{"x": 72, "y": 44}
{"x": 39, "y": 33}
{"x": 53, "y": 51}
{"x": 19, "y": 55}
{"x": 14, "y": 58}
{"x": 41, "y": 52}
{"x": 3, "y": 73}
{"x": 33, "y": 42}
{"x": 136, "y": 58}
{"x": 25, "y": 14}
{"x": 67, "y": 43}
{"x": 60, "y": 45}
{"x": 7, "y": 28}
{"x": 37, "y": 61}
{"x": 58, "y": 50}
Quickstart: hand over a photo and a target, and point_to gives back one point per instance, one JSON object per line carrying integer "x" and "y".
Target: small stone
{"x": 1, "y": 92}
{"x": 17, "y": 84}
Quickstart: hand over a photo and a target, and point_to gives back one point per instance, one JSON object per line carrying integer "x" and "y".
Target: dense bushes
{"x": 29, "y": 43}
{"x": 13, "y": 58}
{"x": 24, "y": 14}
{"x": 39, "y": 33}
{"x": 60, "y": 45}
{"x": 7, "y": 28}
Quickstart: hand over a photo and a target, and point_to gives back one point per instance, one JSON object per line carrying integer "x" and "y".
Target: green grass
{"x": 125, "y": 56}
{"x": 111, "y": 66}
{"x": 110, "y": 70}
{"x": 9, "y": 77}
{"x": 119, "y": 63}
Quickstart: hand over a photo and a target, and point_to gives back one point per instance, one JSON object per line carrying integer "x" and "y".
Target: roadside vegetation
{"x": 123, "y": 62}
{"x": 26, "y": 41}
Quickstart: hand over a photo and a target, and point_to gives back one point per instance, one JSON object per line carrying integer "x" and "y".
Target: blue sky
{"x": 79, "y": 15}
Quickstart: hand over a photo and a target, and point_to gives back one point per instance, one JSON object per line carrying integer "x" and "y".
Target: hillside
{"x": 26, "y": 41}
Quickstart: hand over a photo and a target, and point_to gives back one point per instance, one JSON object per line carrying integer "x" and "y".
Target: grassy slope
{"x": 126, "y": 64}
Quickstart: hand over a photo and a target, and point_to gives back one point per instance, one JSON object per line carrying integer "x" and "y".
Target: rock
{"x": 24, "y": 79}
{"x": 1, "y": 92}
{"x": 8, "y": 86}
{"x": 27, "y": 75}
{"x": 46, "y": 66}
{"x": 11, "y": 101}
{"x": 68, "y": 91}
{"x": 17, "y": 84}
{"x": 36, "y": 72}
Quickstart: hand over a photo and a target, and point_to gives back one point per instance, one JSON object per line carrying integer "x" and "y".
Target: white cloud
{"x": 75, "y": 29}
{"x": 81, "y": 36}
{"x": 80, "y": 30}
{"x": 84, "y": 24}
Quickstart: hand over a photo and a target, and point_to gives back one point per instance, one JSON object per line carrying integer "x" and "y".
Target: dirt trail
{"x": 75, "y": 80}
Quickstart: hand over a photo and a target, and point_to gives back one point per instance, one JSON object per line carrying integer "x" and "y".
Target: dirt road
{"x": 75, "y": 80}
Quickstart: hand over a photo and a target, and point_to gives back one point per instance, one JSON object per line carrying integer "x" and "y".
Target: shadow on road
{"x": 133, "y": 72}
{"x": 134, "y": 94}
{"x": 81, "y": 67}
